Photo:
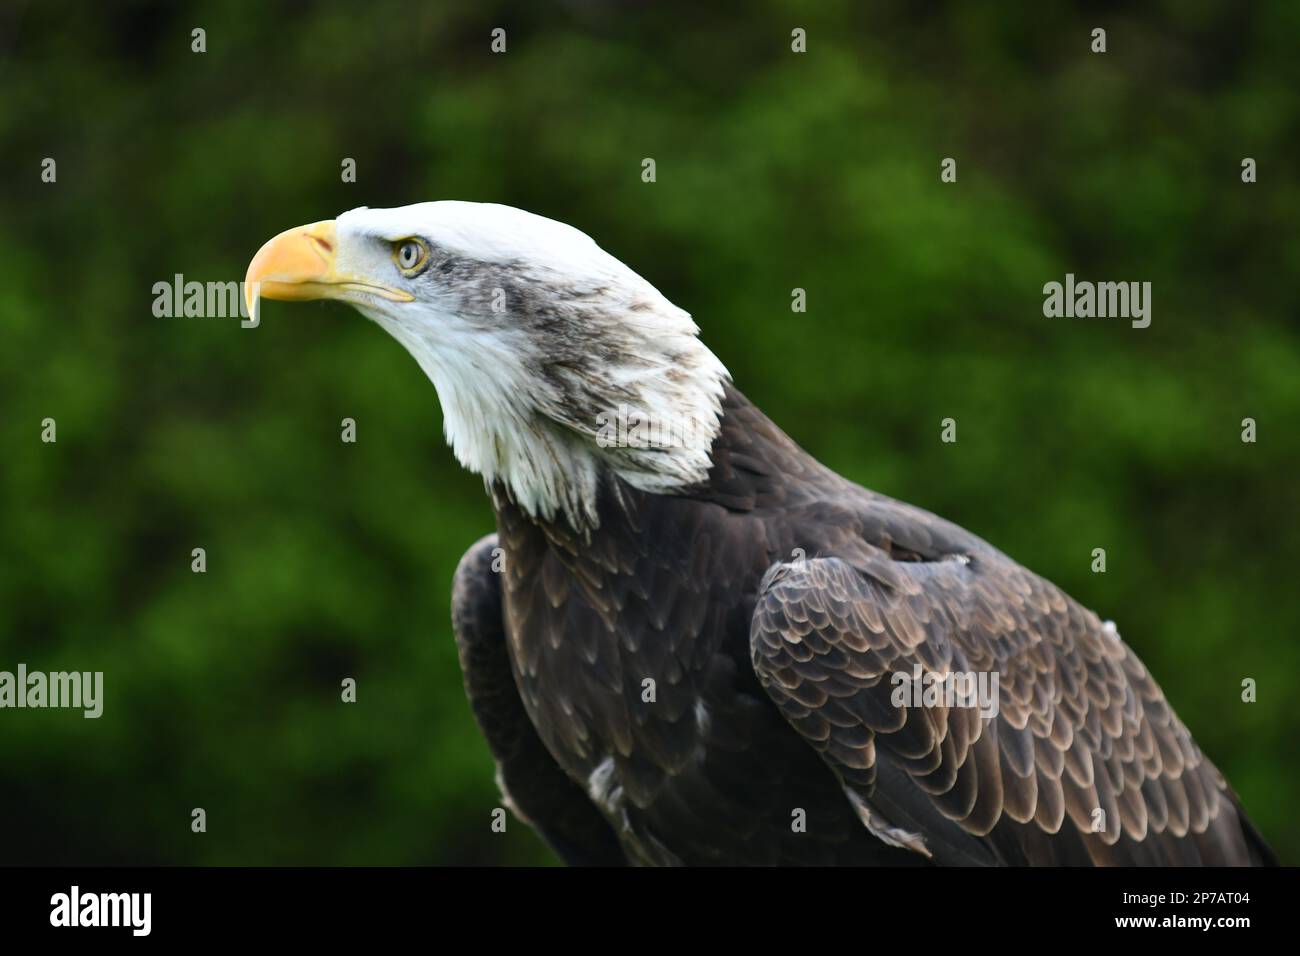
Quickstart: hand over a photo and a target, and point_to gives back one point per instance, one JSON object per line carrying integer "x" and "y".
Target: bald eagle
{"x": 689, "y": 642}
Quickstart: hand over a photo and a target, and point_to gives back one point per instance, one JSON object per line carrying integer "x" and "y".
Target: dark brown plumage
{"x": 770, "y": 606}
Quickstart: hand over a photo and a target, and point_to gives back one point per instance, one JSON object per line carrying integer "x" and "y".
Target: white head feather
{"x": 540, "y": 346}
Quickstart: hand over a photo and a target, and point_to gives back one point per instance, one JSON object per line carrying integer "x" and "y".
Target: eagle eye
{"x": 410, "y": 256}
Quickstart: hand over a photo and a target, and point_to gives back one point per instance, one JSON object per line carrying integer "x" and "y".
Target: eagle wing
{"x": 1083, "y": 763}
{"x": 534, "y": 786}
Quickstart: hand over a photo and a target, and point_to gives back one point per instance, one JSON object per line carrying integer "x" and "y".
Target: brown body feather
{"x": 769, "y": 607}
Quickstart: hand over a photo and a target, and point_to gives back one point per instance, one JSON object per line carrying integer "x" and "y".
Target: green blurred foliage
{"x": 775, "y": 170}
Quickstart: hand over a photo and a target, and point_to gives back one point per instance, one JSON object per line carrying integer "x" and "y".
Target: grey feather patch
{"x": 881, "y": 828}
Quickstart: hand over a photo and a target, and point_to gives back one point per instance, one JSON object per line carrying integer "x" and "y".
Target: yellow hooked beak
{"x": 301, "y": 263}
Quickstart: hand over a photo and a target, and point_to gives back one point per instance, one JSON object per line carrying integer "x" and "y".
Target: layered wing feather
{"x": 1084, "y": 761}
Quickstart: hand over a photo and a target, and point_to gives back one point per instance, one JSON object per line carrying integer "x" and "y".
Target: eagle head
{"x": 558, "y": 368}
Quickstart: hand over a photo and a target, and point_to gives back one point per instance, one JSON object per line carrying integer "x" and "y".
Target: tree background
{"x": 775, "y": 170}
